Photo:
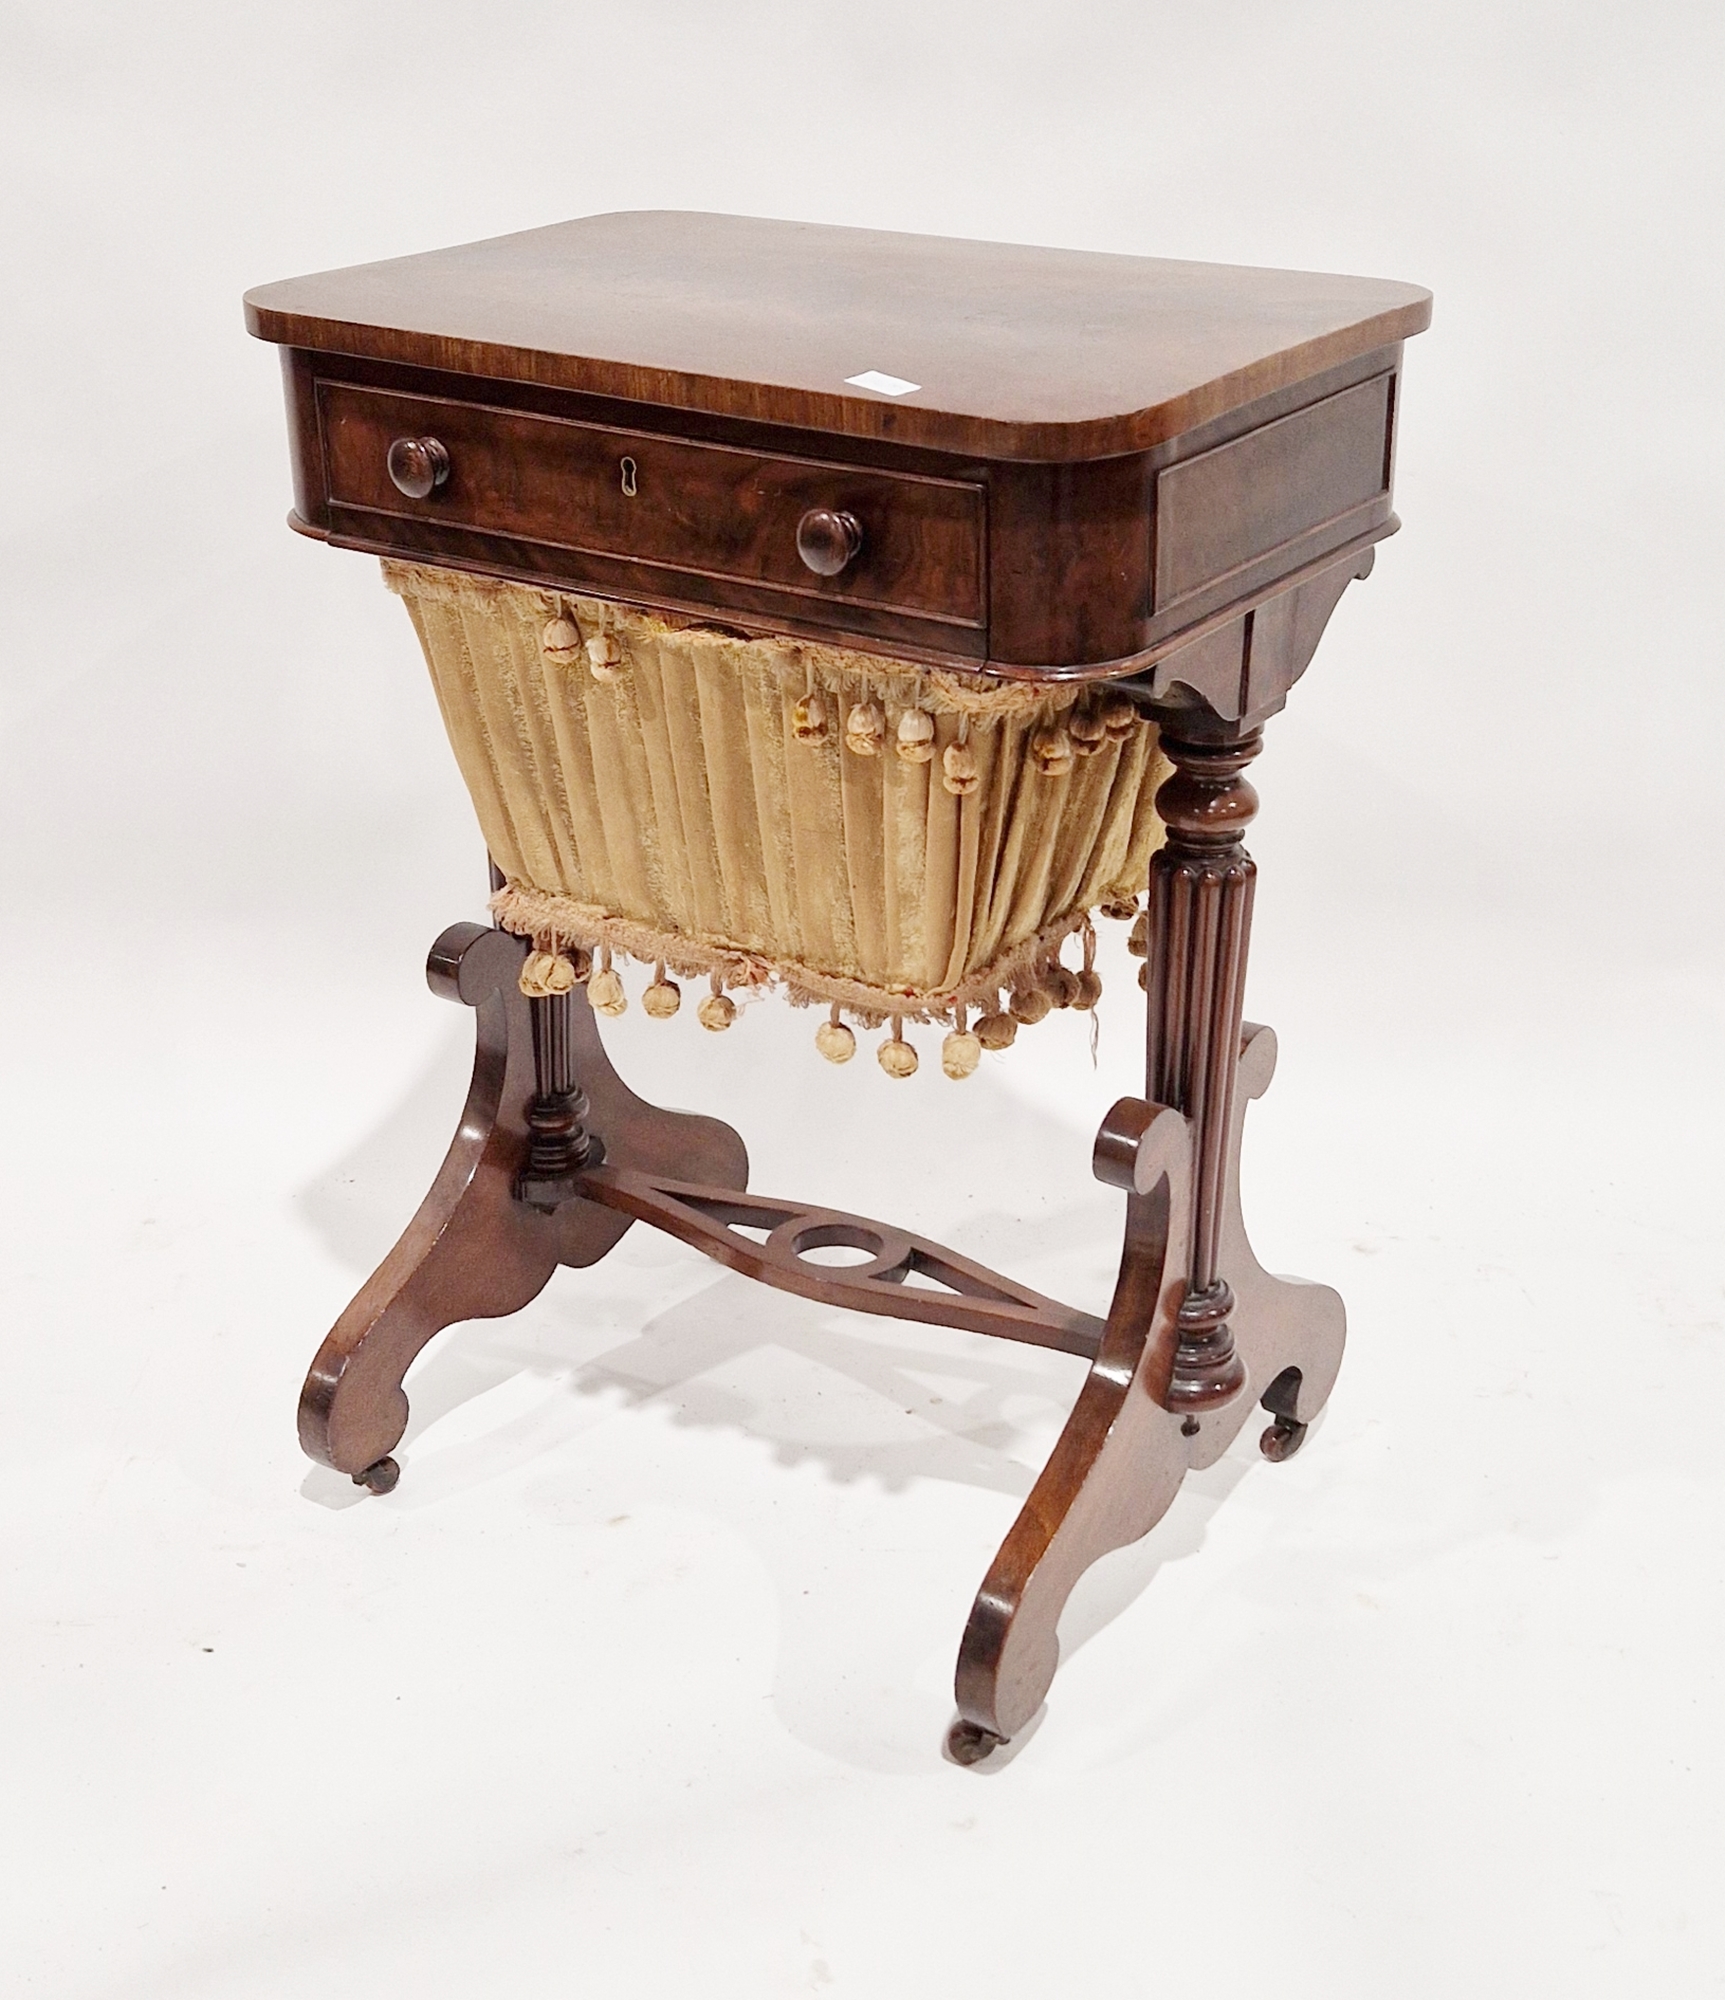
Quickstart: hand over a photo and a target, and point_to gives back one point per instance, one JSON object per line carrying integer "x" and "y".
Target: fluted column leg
{"x": 1201, "y": 884}
{"x": 560, "y": 1143}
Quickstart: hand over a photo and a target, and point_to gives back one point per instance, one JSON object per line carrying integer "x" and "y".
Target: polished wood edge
{"x": 612, "y": 412}
{"x": 1292, "y": 397}
{"x": 1137, "y": 663}
{"x": 840, "y": 451}
{"x": 897, "y": 636}
{"x": 1351, "y": 550}
{"x": 717, "y": 580}
{"x": 851, "y": 416}
{"x": 305, "y": 434}
{"x": 806, "y": 451}
{"x": 765, "y": 627}
{"x": 711, "y": 1219}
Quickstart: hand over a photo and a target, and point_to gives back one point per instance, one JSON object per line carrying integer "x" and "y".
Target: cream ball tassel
{"x": 718, "y": 1010}
{"x": 1119, "y": 716}
{"x": 865, "y": 727}
{"x": 545, "y": 974}
{"x": 604, "y": 657}
{"x": 1029, "y": 1004}
{"x": 1089, "y": 980}
{"x": 996, "y": 1029}
{"x": 895, "y": 1055}
{"x": 834, "y": 1040}
{"x": 1051, "y": 752}
{"x": 961, "y": 1051}
{"x": 958, "y": 763}
{"x": 662, "y": 999}
{"x": 560, "y": 642}
{"x": 915, "y": 736}
{"x": 605, "y": 993}
{"x": 1060, "y": 983}
{"x": 1087, "y": 729}
{"x": 809, "y": 718}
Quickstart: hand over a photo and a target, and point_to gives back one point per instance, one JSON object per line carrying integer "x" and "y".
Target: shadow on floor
{"x": 857, "y": 1399}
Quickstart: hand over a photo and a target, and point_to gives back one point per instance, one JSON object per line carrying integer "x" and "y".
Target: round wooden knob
{"x": 828, "y": 541}
{"x": 417, "y": 466}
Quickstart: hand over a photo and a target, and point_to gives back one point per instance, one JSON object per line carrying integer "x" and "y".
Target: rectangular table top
{"x": 995, "y": 349}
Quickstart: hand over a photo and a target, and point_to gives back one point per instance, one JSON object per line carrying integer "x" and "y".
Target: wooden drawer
{"x": 699, "y": 510}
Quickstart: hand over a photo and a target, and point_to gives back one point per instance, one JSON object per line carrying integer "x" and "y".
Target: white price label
{"x": 882, "y": 385}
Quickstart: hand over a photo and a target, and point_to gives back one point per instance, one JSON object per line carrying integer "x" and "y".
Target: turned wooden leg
{"x": 479, "y": 1247}
{"x": 1238, "y": 1324}
{"x": 559, "y": 1140}
{"x": 1200, "y": 915}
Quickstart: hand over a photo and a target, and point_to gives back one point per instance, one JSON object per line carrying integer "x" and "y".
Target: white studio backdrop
{"x": 638, "y": 1682}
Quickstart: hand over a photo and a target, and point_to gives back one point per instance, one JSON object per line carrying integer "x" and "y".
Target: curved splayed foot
{"x": 1120, "y": 1459}
{"x": 1290, "y": 1332}
{"x": 474, "y": 1250}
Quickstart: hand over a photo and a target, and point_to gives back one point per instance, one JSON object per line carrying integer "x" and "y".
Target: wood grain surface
{"x": 700, "y": 510}
{"x": 1012, "y": 351}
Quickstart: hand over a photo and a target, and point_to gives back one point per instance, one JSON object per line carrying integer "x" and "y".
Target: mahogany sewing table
{"x": 1040, "y": 465}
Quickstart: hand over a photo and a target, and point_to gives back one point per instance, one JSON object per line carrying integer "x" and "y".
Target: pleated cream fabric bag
{"x": 897, "y": 841}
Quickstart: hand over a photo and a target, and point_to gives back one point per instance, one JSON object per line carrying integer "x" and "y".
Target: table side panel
{"x": 1273, "y": 489}
{"x": 305, "y": 439}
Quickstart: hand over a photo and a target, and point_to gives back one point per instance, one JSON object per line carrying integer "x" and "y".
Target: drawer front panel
{"x": 1232, "y": 506}
{"x": 697, "y": 509}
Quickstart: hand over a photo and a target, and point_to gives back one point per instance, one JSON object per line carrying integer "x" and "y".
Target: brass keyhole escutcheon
{"x": 628, "y": 471}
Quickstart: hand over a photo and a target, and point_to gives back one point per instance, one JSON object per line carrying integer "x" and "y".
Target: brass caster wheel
{"x": 1282, "y": 1440}
{"x": 969, "y": 1742}
{"x": 378, "y": 1478}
